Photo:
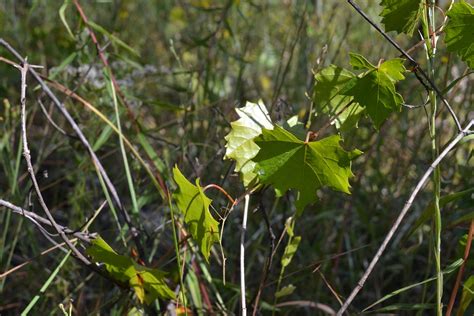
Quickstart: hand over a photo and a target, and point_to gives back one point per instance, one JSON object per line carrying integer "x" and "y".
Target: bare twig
{"x": 420, "y": 74}
{"x": 402, "y": 214}
{"x": 459, "y": 276}
{"x": 242, "y": 255}
{"x": 85, "y": 237}
{"x": 27, "y": 156}
{"x": 60, "y": 106}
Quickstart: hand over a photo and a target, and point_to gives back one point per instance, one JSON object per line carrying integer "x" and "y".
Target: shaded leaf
{"x": 375, "y": 89}
{"x": 148, "y": 284}
{"x": 327, "y": 97}
{"x": 286, "y": 162}
{"x": 194, "y": 205}
{"x": 401, "y": 16}
{"x": 240, "y": 145}
{"x": 460, "y": 31}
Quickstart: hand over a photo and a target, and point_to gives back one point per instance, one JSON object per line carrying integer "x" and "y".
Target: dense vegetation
{"x": 145, "y": 144}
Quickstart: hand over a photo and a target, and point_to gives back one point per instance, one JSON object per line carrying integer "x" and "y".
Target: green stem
{"x": 176, "y": 249}
{"x": 428, "y": 29}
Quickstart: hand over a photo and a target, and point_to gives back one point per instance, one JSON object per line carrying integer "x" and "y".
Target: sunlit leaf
{"x": 148, "y": 284}
{"x": 194, "y": 205}
{"x": 240, "y": 145}
{"x": 287, "y": 162}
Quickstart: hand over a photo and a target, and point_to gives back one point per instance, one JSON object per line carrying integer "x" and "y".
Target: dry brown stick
{"x": 467, "y": 249}
{"x": 402, "y": 214}
{"x": 27, "y": 156}
{"x": 60, "y": 106}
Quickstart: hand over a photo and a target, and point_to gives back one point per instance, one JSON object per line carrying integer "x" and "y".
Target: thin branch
{"x": 27, "y": 155}
{"x": 85, "y": 237}
{"x": 420, "y": 74}
{"x": 402, "y": 214}
{"x": 242, "y": 256}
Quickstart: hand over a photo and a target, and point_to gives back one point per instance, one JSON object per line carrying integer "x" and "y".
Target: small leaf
{"x": 285, "y": 291}
{"x": 194, "y": 205}
{"x": 290, "y": 251}
{"x": 286, "y": 162}
{"x": 358, "y": 61}
{"x": 240, "y": 145}
{"x": 148, "y": 284}
{"x": 62, "y": 16}
{"x": 459, "y": 31}
{"x": 375, "y": 90}
{"x": 401, "y": 15}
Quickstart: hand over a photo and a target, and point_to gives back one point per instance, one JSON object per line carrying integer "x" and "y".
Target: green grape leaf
{"x": 240, "y": 145}
{"x": 194, "y": 205}
{"x": 375, "y": 88}
{"x": 401, "y": 16}
{"x": 286, "y": 162}
{"x": 460, "y": 32}
{"x": 327, "y": 97}
{"x": 148, "y": 284}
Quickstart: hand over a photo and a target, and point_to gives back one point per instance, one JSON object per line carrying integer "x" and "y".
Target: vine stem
{"x": 402, "y": 214}
{"x": 428, "y": 27}
{"x": 242, "y": 255}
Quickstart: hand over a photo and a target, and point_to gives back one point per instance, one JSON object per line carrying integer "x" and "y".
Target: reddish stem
{"x": 215, "y": 186}
{"x": 467, "y": 249}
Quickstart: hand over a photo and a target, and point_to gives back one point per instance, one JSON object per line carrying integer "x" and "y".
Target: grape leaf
{"x": 460, "y": 31}
{"x": 375, "y": 89}
{"x": 194, "y": 205}
{"x": 401, "y": 15}
{"x": 327, "y": 97}
{"x": 148, "y": 284}
{"x": 286, "y": 162}
{"x": 240, "y": 145}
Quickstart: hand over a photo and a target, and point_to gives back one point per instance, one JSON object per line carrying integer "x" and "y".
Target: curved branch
{"x": 402, "y": 214}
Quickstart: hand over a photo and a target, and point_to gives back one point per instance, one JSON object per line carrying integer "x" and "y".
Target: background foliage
{"x": 183, "y": 67}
